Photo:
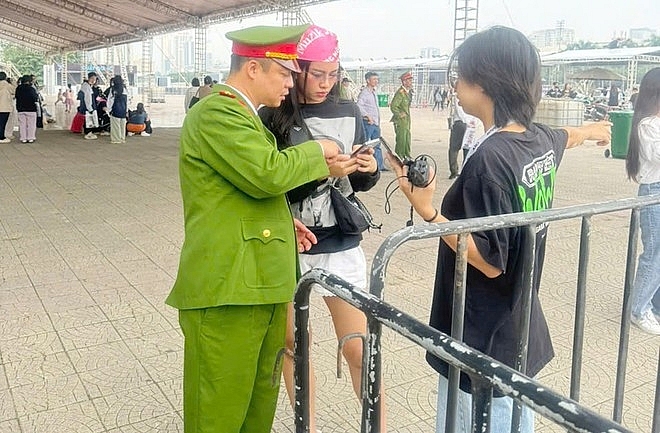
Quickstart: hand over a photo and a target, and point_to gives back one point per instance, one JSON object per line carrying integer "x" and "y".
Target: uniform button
{"x": 266, "y": 233}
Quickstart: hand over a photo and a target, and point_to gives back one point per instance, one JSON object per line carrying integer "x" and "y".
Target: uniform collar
{"x": 245, "y": 98}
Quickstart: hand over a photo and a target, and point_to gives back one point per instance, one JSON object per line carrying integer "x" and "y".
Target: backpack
{"x": 119, "y": 106}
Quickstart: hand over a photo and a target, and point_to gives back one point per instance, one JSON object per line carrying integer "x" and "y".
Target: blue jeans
{"x": 647, "y": 278}
{"x": 371, "y": 132}
{"x": 500, "y": 413}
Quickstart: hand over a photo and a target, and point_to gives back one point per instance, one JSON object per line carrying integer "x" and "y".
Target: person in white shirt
{"x": 7, "y": 91}
{"x": 643, "y": 166}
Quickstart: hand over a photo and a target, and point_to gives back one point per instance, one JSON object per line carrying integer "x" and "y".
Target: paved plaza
{"x": 90, "y": 234}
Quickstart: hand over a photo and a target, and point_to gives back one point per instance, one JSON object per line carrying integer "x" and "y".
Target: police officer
{"x": 237, "y": 270}
{"x": 400, "y": 108}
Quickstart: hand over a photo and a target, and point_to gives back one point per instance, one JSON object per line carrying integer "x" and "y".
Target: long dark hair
{"x": 647, "y": 104}
{"x": 118, "y": 85}
{"x": 507, "y": 66}
{"x": 288, "y": 114}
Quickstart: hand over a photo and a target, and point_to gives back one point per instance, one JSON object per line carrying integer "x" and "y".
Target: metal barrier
{"x": 486, "y": 373}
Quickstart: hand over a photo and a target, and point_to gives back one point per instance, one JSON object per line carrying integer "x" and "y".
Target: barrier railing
{"x": 486, "y": 373}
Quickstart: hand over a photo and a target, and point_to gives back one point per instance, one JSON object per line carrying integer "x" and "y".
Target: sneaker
{"x": 23, "y": 141}
{"x": 104, "y": 133}
{"x": 90, "y": 136}
{"x": 130, "y": 134}
{"x": 5, "y": 140}
{"x": 30, "y": 141}
{"x": 144, "y": 134}
{"x": 647, "y": 323}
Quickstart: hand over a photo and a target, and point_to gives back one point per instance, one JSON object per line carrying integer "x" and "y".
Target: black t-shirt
{"x": 510, "y": 172}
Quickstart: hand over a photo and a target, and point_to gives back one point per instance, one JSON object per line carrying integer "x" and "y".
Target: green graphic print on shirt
{"x": 538, "y": 183}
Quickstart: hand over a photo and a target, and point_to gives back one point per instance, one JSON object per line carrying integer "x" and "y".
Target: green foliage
{"x": 25, "y": 60}
{"x": 653, "y": 41}
{"x": 582, "y": 45}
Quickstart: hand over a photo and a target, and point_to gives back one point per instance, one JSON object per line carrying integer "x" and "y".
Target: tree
{"x": 653, "y": 41}
{"x": 582, "y": 45}
{"x": 25, "y": 60}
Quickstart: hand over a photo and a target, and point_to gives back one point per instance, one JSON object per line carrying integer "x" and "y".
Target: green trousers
{"x": 229, "y": 380}
{"x": 402, "y": 140}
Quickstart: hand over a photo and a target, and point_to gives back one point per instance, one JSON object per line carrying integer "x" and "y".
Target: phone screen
{"x": 389, "y": 150}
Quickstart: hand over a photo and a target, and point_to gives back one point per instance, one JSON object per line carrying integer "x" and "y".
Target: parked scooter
{"x": 596, "y": 110}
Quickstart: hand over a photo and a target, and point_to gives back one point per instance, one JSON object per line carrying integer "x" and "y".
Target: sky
{"x": 394, "y": 29}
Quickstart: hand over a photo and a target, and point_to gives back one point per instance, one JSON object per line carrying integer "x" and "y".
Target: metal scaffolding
{"x": 147, "y": 81}
{"x": 295, "y": 16}
{"x": 200, "y": 49}
{"x": 466, "y": 20}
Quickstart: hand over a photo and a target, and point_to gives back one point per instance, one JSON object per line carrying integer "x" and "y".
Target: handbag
{"x": 194, "y": 99}
{"x": 91, "y": 120}
{"x": 351, "y": 214}
{"x": 77, "y": 123}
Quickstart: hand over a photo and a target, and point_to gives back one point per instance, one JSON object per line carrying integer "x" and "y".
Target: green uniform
{"x": 400, "y": 107}
{"x": 238, "y": 263}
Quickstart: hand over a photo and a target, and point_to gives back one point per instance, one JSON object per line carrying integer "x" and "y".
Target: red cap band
{"x": 284, "y": 51}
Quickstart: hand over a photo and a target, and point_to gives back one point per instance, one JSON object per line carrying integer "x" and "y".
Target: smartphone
{"x": 365, "y": 147}
{"x": 389, "y": 150}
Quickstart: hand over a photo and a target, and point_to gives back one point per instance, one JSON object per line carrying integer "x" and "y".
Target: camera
{"x": 418, "y": 171}
{"x": 418, "y": 168}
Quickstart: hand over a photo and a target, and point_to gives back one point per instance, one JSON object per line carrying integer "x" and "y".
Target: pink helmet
{"x": 318, "y": 45}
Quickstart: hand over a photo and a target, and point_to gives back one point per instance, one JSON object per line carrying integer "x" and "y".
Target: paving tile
{"x": 145, "y": 405}
{"x": 170, "y": 423}
{"x": 173, "y": 391}
{"x": 77, "y": 317}
{"x": 48, "y": 393}
{"x": 115, "y": 353}
{"x": 77, "y": 417}
{"x": 167, "y": 366}
{"x": 49, "y": 272}
{"x": 31, "y": 346}
{"x": 10, "y": 426}
{"x": 7, "y": 409}
{"x": 149, "y": 346}
{"x": 115, "y": 378}
{"x": 140, "y": 325}
{"x": 140, "y": 271}
{"x": 13, "y": 281}
{"x": 92, "y": 243}
{"x": 3, "y": 378}
{"x": 90, "y": 335}
{"x": 68, "y": 301}
{"x": 37, "y": 370}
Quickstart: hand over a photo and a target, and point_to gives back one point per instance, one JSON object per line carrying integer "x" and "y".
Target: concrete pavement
{"x": 90, "y": 234}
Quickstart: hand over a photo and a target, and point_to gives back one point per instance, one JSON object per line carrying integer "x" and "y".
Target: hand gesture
{"x": 366, "y": 163}
{"x": 304, "y": 237}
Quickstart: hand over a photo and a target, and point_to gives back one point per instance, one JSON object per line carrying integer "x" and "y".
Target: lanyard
{"x": 493, "y": 129}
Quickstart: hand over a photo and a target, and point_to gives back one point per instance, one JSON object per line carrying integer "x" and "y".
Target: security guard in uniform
{"x": 238, "y": 264}
{"x": 400, "y": 108}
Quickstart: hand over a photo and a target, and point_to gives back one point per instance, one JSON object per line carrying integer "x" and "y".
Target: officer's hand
{"x": 330, "y": 148}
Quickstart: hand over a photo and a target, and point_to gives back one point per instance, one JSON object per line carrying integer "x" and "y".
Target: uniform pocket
{"x": 269, "y": 259}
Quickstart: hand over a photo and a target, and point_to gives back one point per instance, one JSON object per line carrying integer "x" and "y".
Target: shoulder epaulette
{"x": 227, "y": 94}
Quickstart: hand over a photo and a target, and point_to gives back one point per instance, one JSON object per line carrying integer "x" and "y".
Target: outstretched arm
{"x": 600, "y": 131}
